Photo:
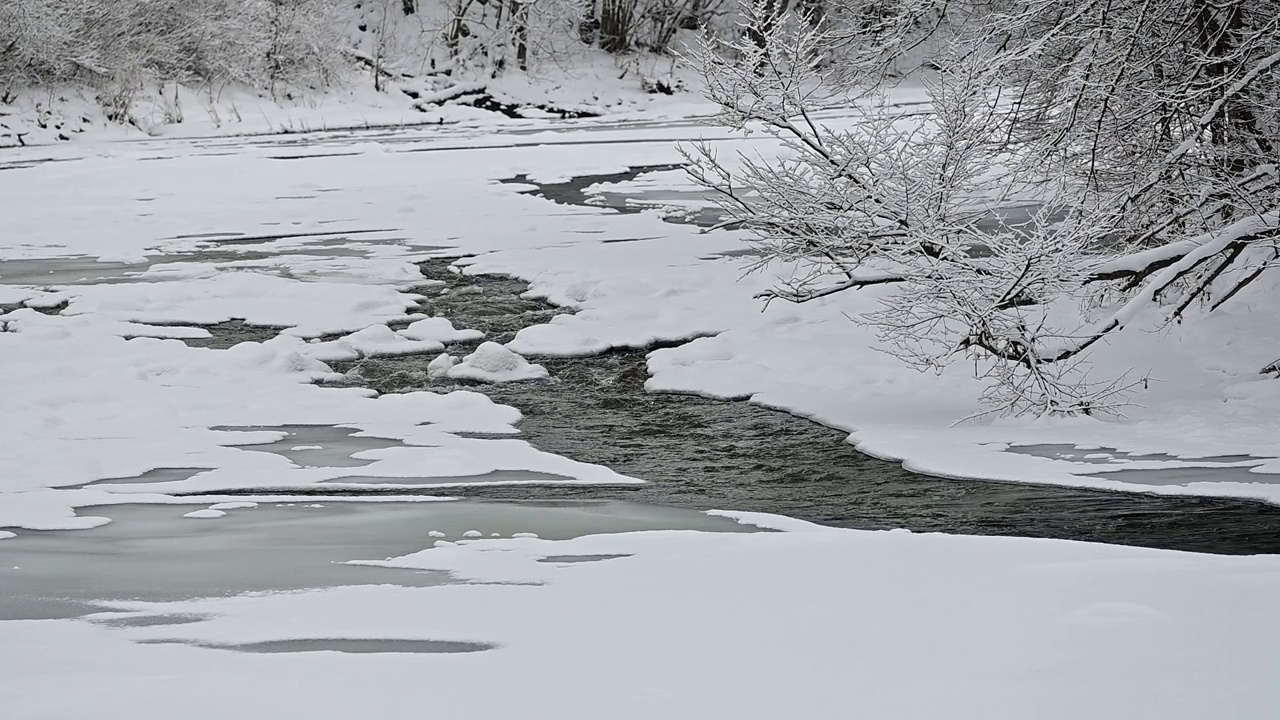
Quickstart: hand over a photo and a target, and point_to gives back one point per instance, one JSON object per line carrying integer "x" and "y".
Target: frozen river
{"x": 228, "y": 464}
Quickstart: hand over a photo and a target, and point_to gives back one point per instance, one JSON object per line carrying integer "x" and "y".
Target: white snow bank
{"x": 492, "y": 362}
{"x": 892, "y": 626}
{"x": 672, "y": 283}
{"x": 83, "y": 404}
{"x": 308, "y": 308}
{"x": 207, "y": 514}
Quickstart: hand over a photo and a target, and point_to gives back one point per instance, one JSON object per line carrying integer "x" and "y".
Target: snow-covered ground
{"x": 317, "y": 234}
{"x": 594, "y": 83}
{"x": 809, "y": 623}
{"x": 143, "y": 242}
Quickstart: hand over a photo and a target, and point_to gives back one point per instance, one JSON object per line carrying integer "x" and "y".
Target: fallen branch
{"x": 452, "y": 92}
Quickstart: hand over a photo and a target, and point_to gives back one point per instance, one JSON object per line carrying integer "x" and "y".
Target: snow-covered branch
{"x": 1139, "y": 142}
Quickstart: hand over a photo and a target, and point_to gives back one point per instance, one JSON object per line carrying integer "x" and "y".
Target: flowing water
{"x": 704, "y": 454}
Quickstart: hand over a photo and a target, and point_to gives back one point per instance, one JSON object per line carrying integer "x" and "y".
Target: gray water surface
{"x": 153, "y": 553}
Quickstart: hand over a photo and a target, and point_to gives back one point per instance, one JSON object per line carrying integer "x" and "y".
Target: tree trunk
{"x": 589, "y": 24}
{"x": 520, "y": 16}
{"x": 615, "y": 25}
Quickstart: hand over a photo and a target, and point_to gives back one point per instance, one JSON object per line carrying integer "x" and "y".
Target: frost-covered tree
{"x": 1139, "y": 138}
{"x": 119, "y": 46}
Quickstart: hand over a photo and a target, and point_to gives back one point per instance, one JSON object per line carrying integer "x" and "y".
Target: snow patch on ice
{"x": 440, "y": 330}
{"x": 768, "y": 521}
{"x": 494, "y": 363}
{"x": 373, "y": 341}
{"x": 238, "y": 505}
{"x": 439, "y": 367}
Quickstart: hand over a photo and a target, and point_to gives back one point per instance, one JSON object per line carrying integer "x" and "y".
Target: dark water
{"x": 706, "y": 454}
{"x": 702, "y": 209}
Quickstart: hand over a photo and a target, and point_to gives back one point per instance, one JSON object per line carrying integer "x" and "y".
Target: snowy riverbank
{"x": 115, "y": 254}
{"x": 317, "y": 233}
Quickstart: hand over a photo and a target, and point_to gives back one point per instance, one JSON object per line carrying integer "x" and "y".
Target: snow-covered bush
{"x": 1141, "y": 140}
{"x": 121, "y": 46}
{"x": 472, "y": 38}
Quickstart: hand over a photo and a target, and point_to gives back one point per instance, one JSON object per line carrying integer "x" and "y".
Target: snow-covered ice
{"x": 337, "y": 259}
{"x": 807, "y": 623}
{"x": 439, "y": 330}
{"x": 318, "y": 239}
{"x": 241, "y": 505}
{"x": 492, "y": 362}
{"x": 440, "y": 365}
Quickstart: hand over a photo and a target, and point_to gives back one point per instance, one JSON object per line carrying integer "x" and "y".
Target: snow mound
{"x": 441, "y": 365}
{"x": 5, "y": 535}
{"x": 492, "y": 362}
{"x": 439, "y": 330}
{"x": 206, "y": 514}
{"x": 373, "y": 341}
{"x": 238, "y": 505}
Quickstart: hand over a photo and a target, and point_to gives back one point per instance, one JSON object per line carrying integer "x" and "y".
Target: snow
{"x": 492, "y": 362}
{"x": 439, "y": 330}
{"x": 699, "y": 624}
{"x": 41, "y": 115}
{"x": 310, "y": 309}
{"x": 337, "y": 262}
{"x": 115, "y": 408}
{"x": 373, "y": 341}
{"x": 316, "y": 237}
{"x": 441, "y": 365}
{"x": 233, "y": 505}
